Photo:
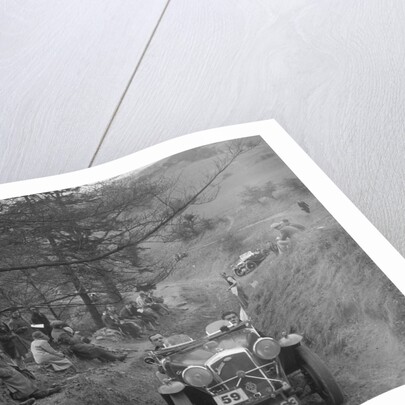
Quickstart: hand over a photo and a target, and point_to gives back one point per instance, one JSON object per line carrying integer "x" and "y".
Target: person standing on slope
{"x": 236, "y": 290}
{"x": 287, "y": 230}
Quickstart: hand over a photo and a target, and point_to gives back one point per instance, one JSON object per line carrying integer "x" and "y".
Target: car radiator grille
{"x": 238, "y": 370}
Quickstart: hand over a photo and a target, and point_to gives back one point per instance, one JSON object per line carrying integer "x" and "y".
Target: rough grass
{"x": 326, "y": 289}
{"x": 329, "y": 276}
{"x": 330, "y": 291}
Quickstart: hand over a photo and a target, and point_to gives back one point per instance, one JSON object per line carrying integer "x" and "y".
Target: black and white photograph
{"x": 213, "y": 276}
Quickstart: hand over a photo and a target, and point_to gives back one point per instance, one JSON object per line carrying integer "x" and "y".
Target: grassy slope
{"x": 348, "y": 311}
{"x": 326, "y": 289}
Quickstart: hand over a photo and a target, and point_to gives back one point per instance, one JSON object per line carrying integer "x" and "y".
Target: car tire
{"x": 240, "y": 272}
{"x": 180, "y": 399}
{"x": 250, "y": 266}
{"x": 321, "y": 379}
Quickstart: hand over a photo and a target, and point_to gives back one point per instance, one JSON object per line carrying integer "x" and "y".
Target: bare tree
{"x": 84, "y": 236}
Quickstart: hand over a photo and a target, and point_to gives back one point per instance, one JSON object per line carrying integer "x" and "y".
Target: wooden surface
{"x": 83, "y": 83}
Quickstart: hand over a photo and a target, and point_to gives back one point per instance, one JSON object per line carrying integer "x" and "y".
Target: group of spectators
{"x": 55, "y": 345}
{"x": 19, "y": 341}
{"x": 17, "y": 334}
{"x": 136, "y": 317}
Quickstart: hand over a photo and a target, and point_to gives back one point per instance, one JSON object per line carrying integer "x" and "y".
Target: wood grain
{"x": 63, "y": 68}
{"x": 330, "y": 72}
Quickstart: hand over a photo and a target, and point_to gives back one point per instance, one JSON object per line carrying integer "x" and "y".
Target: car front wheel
{"x": 180, "y": 399}
{"x": 320, "y": 378}
{"x": 240, "y": 272}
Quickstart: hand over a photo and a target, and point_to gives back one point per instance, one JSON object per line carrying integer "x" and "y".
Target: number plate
{"x": 232, "y": 397}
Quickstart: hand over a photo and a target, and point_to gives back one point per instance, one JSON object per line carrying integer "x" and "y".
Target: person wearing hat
{"x": 38, "y": 318}
{"x": 58, "y": 328}
{"x": 44, "y": 354}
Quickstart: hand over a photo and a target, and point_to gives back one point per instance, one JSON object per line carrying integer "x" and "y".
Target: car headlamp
{"x": 266, "y": 348}
{"x": 197, "y": 376}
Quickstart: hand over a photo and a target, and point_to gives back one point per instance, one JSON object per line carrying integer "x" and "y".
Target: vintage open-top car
{"x": 233, "y": 364}
{"x": 249, "y": 261}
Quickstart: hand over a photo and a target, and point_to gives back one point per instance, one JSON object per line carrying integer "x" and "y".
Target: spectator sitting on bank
{"x": 129, "y": 312}
{"x": 58, "y": 328}
{"x": 145, "y": 302}
{"x": 21, "y": 328}
{"x": 86, "y": 351}
{"x": 157, "y": 300}
{"x": 38, "y": 318}
{"x": 20, "y": 385}
{"x": 146, "y": 310}
{"x": 147, "y": 315}
{"x": 111, "y": 320}
{"x": 13, "y": 345}
{"x": 44, "y": 354}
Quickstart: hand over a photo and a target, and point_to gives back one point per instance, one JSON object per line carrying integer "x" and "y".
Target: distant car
{"x": 249, "y": 261}
{"x": 233, "y": 365}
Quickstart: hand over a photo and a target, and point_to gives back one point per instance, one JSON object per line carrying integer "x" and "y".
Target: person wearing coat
{"x": 58, "y": 328}
{"x": 38, "y": 318}
{"x": 287, "y": 231}
{"x": 44, "y": 354}
{"x": 13, "y": 345}
{"x": 87, "y": 351}
{"x": 20, "y": 384}
{"x": 21, "y": 328}
{"x": 147, "y": 305}
{"x": 111, "y": 320}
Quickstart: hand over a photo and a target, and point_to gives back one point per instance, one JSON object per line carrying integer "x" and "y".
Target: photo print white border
{"x": 340, "y": 207}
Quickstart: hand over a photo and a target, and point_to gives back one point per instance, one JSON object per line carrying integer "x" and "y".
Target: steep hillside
{"x": 328, "y": 290}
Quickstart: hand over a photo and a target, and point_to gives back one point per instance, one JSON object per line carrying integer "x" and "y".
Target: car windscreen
{"x": 244, "y": 337}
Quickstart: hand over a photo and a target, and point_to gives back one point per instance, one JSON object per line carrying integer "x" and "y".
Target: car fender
{"x": 291, "y": 339}
{"x": 171, "y": 387}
